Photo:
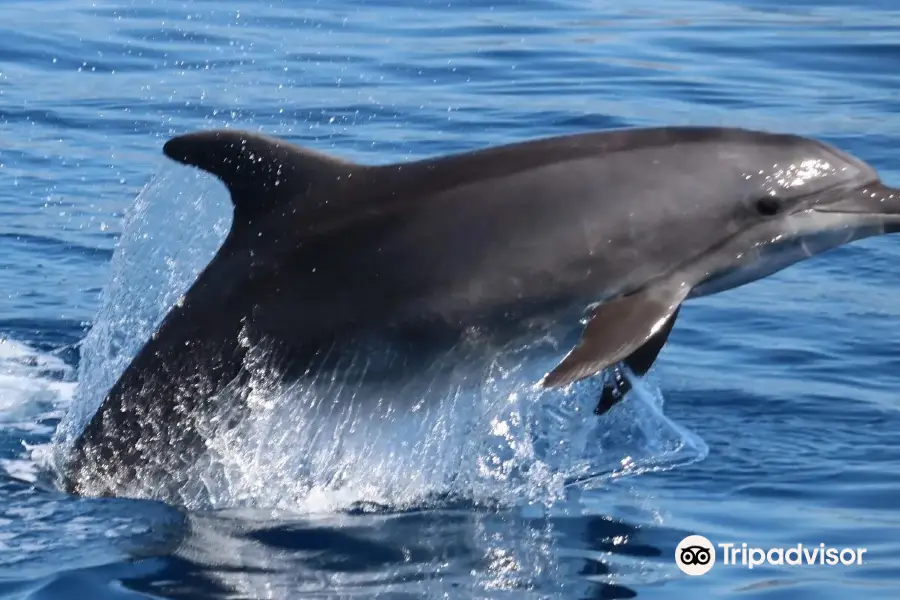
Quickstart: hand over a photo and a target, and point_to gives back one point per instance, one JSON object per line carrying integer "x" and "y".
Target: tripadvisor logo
{"x": 696, "y": 555}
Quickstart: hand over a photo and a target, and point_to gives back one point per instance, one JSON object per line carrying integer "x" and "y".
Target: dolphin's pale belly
{"x": 767, "y": 258}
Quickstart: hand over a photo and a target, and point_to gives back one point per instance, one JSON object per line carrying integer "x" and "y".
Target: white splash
{"x": 478, "y": 429}
{"x": 35, "y": 389}
{"x": 171, "y": 232}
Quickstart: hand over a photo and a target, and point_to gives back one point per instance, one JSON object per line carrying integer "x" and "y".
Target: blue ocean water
{"x": 770, "y": 419}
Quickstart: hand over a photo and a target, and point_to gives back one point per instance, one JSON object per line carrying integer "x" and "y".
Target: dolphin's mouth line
{"x": 861, "y": 199}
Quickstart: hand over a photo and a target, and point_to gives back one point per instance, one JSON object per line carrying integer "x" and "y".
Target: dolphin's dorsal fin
{"x": 260, "y": 172}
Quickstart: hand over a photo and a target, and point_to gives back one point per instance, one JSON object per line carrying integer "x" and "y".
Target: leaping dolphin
{"x": 625, "y": 225}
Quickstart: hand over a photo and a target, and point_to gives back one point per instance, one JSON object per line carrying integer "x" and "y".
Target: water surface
{"x": 786, "y": 388}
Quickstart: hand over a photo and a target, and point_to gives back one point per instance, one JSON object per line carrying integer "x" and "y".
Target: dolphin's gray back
{"x": 454, "y": 236}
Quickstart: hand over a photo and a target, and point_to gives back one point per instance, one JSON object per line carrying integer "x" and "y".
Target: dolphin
{"x": 604, "y": 233}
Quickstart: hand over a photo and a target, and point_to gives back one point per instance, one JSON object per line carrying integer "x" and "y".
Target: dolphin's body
{"x": 624, "y": 224}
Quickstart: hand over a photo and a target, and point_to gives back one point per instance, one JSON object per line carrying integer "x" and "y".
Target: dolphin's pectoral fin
{"x": 613, "y": 391}
{"x": 639, "y": 362}
{"x": 618, "y": 329}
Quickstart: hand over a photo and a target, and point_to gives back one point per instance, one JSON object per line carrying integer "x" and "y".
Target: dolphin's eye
{"x": 768, "y": 206}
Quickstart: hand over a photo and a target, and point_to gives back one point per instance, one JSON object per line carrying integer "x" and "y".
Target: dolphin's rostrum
{"x": 625, "y": 224}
